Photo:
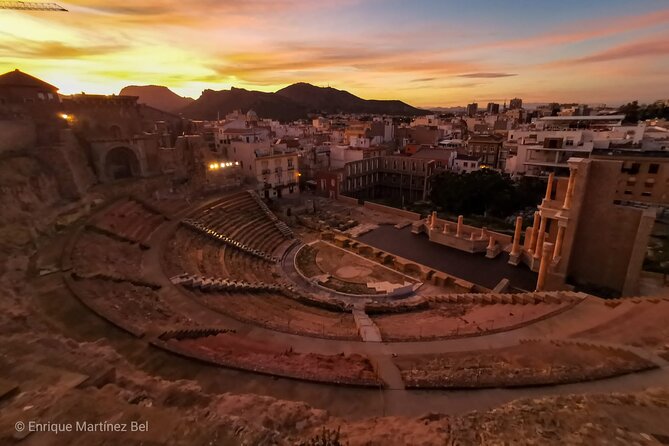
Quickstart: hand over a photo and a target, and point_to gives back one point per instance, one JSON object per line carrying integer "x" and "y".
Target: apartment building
{"x": 398, "y": 177}
{"x": 644, "y": 175}
{"x": 547, "y": 145}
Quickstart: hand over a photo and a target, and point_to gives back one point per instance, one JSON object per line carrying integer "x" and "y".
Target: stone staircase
{"x": 203, "y": 229}
{"x": 280, "y": 225}
{"x": 193, "y": 333}
{"x": 551, "y": 297}
{"x": 213, "y": 284}
{"x": 367, "y": 329}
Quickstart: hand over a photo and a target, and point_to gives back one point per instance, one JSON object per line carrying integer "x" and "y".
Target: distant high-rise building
{"x": 472, "y": 109}
{"x": 493, "y": 108}
{"x": 516, "y": 103}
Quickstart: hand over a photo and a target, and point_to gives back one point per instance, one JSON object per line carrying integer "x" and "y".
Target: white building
{"x": 466, "y": 163}
{"x": 548, "y": 144}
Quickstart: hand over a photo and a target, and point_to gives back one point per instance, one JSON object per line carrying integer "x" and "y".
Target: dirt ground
{"x": 128, "y": 304}
{"x": 641, "y": 325}
{"x": 352, "y": 268}
{"x": 97, "y": 253}
{"x": 237, "y": 351}
{"x": 452, "y": 320}
{"x": 527, "y": 364}
{"x": 281, "y": 313}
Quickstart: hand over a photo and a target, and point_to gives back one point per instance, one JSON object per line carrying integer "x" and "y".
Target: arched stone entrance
{"x": 121, "y": 162}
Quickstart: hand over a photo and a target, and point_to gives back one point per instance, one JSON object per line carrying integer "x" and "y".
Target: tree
{"x": 485, "y": 192}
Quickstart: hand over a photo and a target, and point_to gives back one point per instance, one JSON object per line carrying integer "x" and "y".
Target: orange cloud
{"x": 655, "y": 47}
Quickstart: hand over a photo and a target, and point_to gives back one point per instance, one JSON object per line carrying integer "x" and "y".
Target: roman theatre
{"x": 336, "y": 313}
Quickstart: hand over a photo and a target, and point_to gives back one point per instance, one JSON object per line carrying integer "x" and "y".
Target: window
{"x": 649, "y": 183}
{"x": 631, "y": 168}
{"x": 40, "y": 96}
{"x": 646, "y": 194}
{"x": 654, "y": 168}
{"x": 628, "y": 192}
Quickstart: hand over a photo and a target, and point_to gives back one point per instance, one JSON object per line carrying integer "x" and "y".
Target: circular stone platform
{"x": 350, "y": 272}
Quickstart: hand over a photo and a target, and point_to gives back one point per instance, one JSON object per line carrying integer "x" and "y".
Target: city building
{"x": 405, "y": 179}
{"x": 643, "y": 177}
{"x": 515, "y": 104}
{"x": 549, "y": 143}
{"x": 466, "y": 163}
{"x": 485, "y": 148}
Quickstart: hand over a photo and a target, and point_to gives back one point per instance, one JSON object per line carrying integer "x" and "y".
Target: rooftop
{"x": 18, "y": 78}
{"x": 583, "y": 118}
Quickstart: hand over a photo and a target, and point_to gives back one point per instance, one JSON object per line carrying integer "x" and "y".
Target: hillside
{"x": 157, "y": 96}
{"x": 293, "y": 102}
{"x": 268, "y": 105}
{"x": 331, "y": 100}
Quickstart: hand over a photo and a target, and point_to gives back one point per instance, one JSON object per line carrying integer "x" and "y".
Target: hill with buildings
{"x": 331, "y": 100}
{"x": 157, "y": 96}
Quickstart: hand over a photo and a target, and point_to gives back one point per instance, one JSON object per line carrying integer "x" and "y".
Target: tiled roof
{"x": 18, "y": 78}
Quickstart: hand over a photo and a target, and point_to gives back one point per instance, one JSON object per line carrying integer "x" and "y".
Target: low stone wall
{"x": 397, "y": 306}
{"x": 547, "y": 363}
{"x": 391, "y": 210}
{"x": 348, "y": 200}
{"x": 467, "y": 230}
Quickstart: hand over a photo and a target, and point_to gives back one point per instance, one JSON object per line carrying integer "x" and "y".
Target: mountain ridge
{"x": 157, "y": 96}
{"x": 293, "y": 102}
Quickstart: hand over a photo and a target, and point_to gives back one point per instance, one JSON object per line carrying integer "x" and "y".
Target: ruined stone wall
{"x": 18, "y": 134}
{"x": 28, "y": 193}
{"x": 69, "y": 163}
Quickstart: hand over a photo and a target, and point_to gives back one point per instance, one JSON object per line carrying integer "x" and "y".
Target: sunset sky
{"x": 425, "y": 52}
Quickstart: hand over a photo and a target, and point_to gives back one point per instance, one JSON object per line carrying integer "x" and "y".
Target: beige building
{"x": 644, "y": 175}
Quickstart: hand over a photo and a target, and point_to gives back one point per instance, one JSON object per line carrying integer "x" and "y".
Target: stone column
{"x": 570, "y": 189}
{"x": 516, "y": 236}
{"x": 484, "y": 233}
{"x": 445, "y": 228}
{"x": 540, "y": 238}
{"x": 549, "y": 186}
{"x": 458, "y": 233}
{"x": 491, "y": 249}
{"x": 543, "y": 268}
{"x": 433, "y": 219}
{"x": 535, "y": 230}
{"x": 558, "y": 242}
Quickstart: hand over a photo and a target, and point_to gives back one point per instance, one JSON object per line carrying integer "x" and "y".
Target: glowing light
{"x": 65, "y": 116}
